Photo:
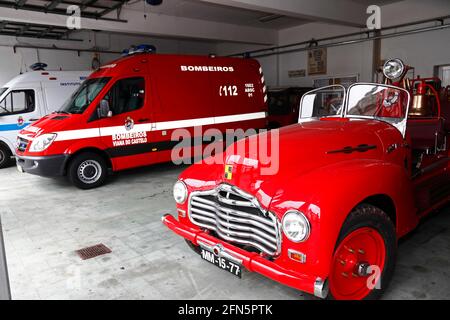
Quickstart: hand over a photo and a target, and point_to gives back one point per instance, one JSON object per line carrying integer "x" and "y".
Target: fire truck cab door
{"x": 126, "y": 131}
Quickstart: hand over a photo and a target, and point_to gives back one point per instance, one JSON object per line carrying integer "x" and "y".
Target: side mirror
{"x": 103, "y": 110}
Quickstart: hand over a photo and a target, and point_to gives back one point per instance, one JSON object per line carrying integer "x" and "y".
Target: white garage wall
{"x": 11, "y": 64}
{"x": 422, "y": 51}
{"x": 342, "y": 61}
{"x": 349, "y": 60}
{"x": 269, "y": 64}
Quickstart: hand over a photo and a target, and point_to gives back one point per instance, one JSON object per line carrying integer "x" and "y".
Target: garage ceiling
{"x": 220, "y": 13}
{"x": 96, "y": 9}
{"x": 89, "y": 8}
{"x": 30, "y": 30}
{"x": 245, "y": 21}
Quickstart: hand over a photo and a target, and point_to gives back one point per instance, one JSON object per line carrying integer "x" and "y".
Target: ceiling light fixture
{"x": 270, "y": 17}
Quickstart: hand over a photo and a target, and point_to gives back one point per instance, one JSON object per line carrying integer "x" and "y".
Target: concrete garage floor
{"x": 46, "y": 220}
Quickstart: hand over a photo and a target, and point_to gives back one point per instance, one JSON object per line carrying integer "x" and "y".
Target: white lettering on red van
{"x": 206, "y": 69}
{"x": 127, "y": 139}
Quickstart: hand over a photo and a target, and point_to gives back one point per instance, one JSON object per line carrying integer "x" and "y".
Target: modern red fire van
{"x": 124, "y": 114}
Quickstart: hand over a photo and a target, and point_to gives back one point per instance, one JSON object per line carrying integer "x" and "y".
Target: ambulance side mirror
{"x": 103, "y": 110}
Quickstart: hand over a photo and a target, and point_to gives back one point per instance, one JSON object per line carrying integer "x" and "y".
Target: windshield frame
{"x": 77, "y": 92}
{"x": 401, "y": 125}
{"x": 3, "y": 90}
{"x": 344, "y": 100}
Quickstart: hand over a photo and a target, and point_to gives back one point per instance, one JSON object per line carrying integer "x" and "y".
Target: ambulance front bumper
{"x": 48, "y": 166}
{"x": 252, "y": 261}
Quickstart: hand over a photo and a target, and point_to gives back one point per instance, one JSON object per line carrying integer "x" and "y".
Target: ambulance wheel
{"x": 365, "y": 254}
{"x": 87, "y": 171}
{"x": 5, "y": 156}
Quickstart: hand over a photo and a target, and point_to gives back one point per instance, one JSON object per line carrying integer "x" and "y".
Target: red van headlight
{"x": 42, "y": 142}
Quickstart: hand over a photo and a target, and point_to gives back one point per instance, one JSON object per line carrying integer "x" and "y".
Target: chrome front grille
{"x": 236, "y": 217}
{"x": 22, "y": 144}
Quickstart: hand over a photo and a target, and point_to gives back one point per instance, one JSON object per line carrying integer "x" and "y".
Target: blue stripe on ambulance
{"x": 13, "y": 127}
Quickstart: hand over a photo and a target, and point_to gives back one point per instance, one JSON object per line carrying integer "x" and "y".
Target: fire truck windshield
{"x": 323, "y": 102}
{"x": 2, "y": 90}
{"x": 380, "y": 102}
{"x": 83, "y": 97}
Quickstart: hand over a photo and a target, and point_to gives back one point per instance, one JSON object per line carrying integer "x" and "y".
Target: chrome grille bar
{"x": 236, "y": 217}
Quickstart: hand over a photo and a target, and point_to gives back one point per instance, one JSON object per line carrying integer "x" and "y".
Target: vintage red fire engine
{"x": 354, "y": 176}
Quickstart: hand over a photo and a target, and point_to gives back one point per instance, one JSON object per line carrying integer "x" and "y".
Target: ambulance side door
{"x": 18, "y": 108}
{"x": 125, "y": 132}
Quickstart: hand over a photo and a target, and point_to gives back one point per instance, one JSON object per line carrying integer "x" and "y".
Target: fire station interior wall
{"x": 423, "y": 51}
{"x": 342, "y": 61}
{"x": 356, "y": 59}
{"x": 12, "y": 63}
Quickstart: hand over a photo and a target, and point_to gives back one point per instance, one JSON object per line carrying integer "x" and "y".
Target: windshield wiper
{"x": 61, "y": 111}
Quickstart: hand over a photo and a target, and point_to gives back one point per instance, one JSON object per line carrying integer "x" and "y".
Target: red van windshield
{"x": 85, "y": 94}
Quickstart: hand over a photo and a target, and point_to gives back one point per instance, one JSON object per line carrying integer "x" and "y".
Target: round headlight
{"x": 180, "y": 192}
{"x": 393, "y": 69}
{"x": 295, "y": 226}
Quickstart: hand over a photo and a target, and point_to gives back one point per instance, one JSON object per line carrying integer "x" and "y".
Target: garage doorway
{"x": 443, "y": 72}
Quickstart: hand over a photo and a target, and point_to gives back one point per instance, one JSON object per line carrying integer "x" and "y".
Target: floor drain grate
{"x": 94, "y": 251}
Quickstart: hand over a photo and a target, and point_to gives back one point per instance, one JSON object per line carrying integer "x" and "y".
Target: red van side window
{"x": 126, "y": 95}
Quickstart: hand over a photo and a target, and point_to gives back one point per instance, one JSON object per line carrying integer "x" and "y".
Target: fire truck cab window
{"x": 126, "y": 95}
{"x": 18, "y": 101}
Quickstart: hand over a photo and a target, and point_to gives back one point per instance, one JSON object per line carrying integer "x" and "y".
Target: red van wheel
{"x": 87, "y": 171}
{"x": 364, "y": 259}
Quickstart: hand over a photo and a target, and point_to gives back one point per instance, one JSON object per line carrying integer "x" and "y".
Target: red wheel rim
{"x": 362, "y": 248}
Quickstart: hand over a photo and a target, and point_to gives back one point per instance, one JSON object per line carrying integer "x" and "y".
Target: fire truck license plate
{"x": 222, "y": 263}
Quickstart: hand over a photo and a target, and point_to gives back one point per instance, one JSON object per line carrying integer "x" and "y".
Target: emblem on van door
{"x": 129, "y": 124}
{"x": 20, "y": 121}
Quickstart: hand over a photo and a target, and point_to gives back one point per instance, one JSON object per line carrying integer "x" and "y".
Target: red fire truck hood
{"x": 51, "y": 123}
{"x": 302, "y": 149}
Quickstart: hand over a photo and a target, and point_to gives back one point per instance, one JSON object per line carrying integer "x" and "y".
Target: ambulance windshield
{"x": 83, "y": 97}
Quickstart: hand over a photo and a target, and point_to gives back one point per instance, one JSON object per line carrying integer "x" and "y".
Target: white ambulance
{"x": 27, "y": 98}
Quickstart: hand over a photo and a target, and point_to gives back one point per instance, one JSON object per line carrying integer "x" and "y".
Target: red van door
{"x": 126, "y": 132}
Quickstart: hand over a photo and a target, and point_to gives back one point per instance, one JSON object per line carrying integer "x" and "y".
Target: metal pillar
{"x": 5, "y": 292}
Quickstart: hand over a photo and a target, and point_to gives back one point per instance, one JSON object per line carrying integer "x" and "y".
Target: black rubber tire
{"x": 193, "y": 247}
{"x": 5, "y": 156}
{"x": 74, "y": 165}
{"x": 366, "y": 215}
